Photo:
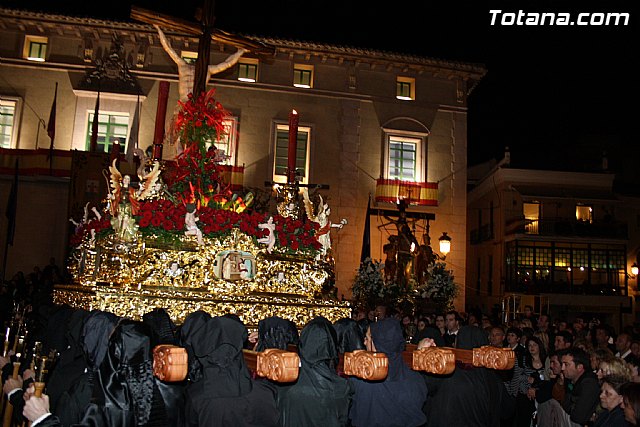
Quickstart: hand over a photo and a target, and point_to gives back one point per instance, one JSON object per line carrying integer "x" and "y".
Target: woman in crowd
{"x": 612, "y": 414}
{"x": 614, "y": 366}
{"x": 631, "y": 402}
{"x": 398, "y": 399}
{"x": 320, "y": 397}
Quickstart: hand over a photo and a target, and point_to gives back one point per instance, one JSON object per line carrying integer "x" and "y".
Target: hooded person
{"x": 223, "y": 393}
{"x": 71, "y": 363}
{"x": 470, "y": 396}
{"x": 72, "y": 380}
{"x": 125, "y": 393}
{"x": 398, "y": 399}
{"x": 350, "y": 336}
{"x": 276, "y": 332}
{"x": 319, "y": 397}
{"x": 163, "y": 332}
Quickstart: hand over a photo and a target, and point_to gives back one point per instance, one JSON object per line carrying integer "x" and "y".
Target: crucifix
{"x": 205, "y": 32}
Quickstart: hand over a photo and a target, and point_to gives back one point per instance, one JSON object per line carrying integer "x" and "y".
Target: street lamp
{"x": 445, "y": 244}
{"x": 634, "y": 269}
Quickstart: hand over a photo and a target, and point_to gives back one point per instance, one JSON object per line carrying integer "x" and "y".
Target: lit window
{"x": 9, "y": 112}
{"x": 111, "y": 127}
{"x": 404, "y": 157}
{"x": 281, "y": 158}
{"x": 189, "y": 57}
{"x": 227, "y": 142}
{"x": 405, "y": 88}
{"x": 531, "y": 213}
{"x": 248, "y": 70}
{"x": 303, "y": 76}
{"x": 584, "y": 213}
{"x": 35, "y": 48}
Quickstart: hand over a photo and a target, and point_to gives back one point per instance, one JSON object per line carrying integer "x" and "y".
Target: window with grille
{"x": 405, "y": 88}
{"x": 189, "y": 56}
{"x": 281, "y": 158}
{"x": 303, "y": 76}
{"x": 584, "y": 213}
{"x": 111, "y": 127}
{"x": 531, "y": 213}
{"x": 9, "y": 112}
{"x": 404, "y": 158}
{"x": 35, "y": 48}
{"x": 248, "y": 70}
{"x": 227, "y": 141}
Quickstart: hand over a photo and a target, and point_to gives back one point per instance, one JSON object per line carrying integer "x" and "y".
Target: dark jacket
{"x": 581, "y": 400}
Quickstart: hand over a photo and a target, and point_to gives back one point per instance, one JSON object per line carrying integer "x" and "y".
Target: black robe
{"x": 223, "y": 393}
{"x": 398, "y": 399}
{"x": 320, "y": 397}
{"x": 349, "y": 334}
{"x": 276, "y": 332}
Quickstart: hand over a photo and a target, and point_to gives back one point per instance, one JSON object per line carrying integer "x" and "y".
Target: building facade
{"x": 365, "y": 117}
{"x": 558, "y": 241}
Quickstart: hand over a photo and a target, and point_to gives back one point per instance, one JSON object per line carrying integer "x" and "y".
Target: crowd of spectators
{"x": 574, "y": 373}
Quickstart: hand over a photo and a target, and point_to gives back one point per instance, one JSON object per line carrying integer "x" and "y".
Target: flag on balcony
{"x": 366, "y": 236}
{"x": 93, "y": 146}
{"x": 12, "y": 207}
{"x": 51, "y": 127}
{"x": 414, "y": 193}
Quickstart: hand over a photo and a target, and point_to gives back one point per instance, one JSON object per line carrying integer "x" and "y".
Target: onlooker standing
{"x": 582, "y": 397}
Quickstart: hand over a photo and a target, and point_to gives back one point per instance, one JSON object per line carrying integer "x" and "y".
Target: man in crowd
{"x": 496, "y": 337}
{"x": 603, "y": 338}
{"x": 452, "y": 323}
{"x": 563, "y": 340}
{"x": 623, "y": 345}
{"x": 582, "y": 396}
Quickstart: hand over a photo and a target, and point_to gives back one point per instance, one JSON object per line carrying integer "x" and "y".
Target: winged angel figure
{"x": 322, "y": 218}
{"x": 124, "y": 199}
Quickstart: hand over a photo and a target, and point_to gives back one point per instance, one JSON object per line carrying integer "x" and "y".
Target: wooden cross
{"x": 205, "y": 31}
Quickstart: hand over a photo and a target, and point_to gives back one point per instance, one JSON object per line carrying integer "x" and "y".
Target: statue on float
{"x": 322, "y": 218}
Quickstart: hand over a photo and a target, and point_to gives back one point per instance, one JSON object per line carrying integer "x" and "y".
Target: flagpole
{"x": 12, "y": 206}
{"x": 51, "y": 128}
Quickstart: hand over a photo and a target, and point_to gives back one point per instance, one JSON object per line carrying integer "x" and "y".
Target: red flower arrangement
{"x": 163, "y": 218}
{"x": 199, "y": 123}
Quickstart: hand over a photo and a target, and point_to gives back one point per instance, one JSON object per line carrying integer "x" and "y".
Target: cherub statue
{"x": 270, "y": 239}
{"x": 322, "y": 218}
{"x": 190, "y": 220}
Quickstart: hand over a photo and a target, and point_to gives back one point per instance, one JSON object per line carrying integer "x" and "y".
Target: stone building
{"x": 365, "y": 116}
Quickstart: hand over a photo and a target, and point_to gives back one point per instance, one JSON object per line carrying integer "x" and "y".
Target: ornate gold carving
{"x": 131, "y": 279}
{"x": 170, "y": 363}
{"x": 366, "y": 365}
{"x": 435, "y": 360}
{"x": 493, "y": 357}
{"x": 180, "y": 302}
{"x": 278, "y": 365}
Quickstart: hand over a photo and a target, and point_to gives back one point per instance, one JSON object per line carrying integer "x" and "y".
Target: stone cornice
{"x": 99, "y": 28}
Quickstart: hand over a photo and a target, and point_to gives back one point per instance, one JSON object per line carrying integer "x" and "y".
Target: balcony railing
{"x": 535, "y": 288}
{"x": 567, "y": 228}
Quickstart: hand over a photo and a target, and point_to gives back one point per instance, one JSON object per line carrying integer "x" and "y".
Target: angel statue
{"x": 269, "y": 239}
{"x": 322, "y": 218}
{"x": 124, "y": 199}
{"x": 190, "y": 220}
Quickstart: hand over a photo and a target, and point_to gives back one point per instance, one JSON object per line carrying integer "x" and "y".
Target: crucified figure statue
{"x": 187, "y": 72}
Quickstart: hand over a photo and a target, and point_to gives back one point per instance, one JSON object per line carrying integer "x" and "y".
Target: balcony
{"x": 567, "y": 228}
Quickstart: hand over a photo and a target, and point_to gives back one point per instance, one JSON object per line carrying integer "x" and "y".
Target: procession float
{"x": 177, "y": 236}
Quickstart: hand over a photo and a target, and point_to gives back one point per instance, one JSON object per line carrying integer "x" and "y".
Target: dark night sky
{"x": 554, "y": 95}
